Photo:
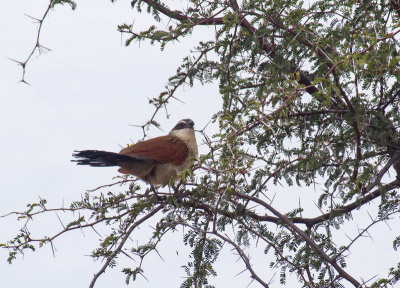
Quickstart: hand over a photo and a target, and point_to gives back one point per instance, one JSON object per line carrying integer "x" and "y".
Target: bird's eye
{"x": 181, "y": 125}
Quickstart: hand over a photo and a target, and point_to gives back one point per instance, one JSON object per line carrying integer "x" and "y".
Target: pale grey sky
{"x": 84, "y": 95}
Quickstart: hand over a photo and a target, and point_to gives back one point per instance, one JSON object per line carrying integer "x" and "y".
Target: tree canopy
{"x": 310, "y": 99}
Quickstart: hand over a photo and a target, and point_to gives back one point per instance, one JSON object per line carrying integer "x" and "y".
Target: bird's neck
{"x": 187, "y": 136}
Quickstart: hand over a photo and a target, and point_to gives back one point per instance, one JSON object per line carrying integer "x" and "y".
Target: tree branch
{"x": 180, "y": 17}
{"x": 303, "y": 235}
{"x": 122, "y": 243}
{"x": 270, "y": 50}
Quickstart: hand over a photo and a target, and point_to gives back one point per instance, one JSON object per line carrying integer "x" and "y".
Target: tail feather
{"x": 102, "y": 158}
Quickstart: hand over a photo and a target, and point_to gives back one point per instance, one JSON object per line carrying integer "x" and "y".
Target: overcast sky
{"x": 85, "y": 94}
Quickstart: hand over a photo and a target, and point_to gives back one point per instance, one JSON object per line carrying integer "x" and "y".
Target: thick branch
{"x": 178, "y": 16}
{"x": 316, "y": 220}
{"x": 318, "y": 112}
{"x": 267, "y": 47}
{"x": 396, "y": 6}
{"x": 303, "y": 235}
{"x": 333, "y": 213}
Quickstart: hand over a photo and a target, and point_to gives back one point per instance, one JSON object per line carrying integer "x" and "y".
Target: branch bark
{"x": 180, "y": 17}
{"x": 122, "y": 243}
{"x": 304, "y": 236}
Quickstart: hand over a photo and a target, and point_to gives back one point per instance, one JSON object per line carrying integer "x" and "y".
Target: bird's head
{"x": 184, "y": 124}
{"x": 183, "y": 129}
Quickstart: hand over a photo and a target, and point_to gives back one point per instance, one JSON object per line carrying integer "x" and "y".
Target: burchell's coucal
{"x": 155, "y": 160}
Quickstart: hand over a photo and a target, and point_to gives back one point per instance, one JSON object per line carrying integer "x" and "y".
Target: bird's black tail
{"x": 99, "y": 158}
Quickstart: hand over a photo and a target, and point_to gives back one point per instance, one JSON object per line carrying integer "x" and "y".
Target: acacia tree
{"x": 309, "y": 93}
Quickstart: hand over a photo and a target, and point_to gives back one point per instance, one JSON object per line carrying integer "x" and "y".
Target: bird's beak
{"x": 190, "y": 124}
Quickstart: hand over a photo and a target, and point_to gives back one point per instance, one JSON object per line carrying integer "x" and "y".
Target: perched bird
{"x": 155, "y": 160}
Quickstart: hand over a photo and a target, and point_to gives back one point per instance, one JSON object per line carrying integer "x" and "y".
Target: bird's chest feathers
{"x": 188, "y": 137}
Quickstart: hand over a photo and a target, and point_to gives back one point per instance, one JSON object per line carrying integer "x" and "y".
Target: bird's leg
{"x": 177, "y": 194}
{"x": 169, "y": 189}
{"x": 154, "y": 190}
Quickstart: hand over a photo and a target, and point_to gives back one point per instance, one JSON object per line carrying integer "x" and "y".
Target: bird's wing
{"x": 166, "y": 149}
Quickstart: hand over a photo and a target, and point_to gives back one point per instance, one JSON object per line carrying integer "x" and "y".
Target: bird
{"x": 155, "y": 161}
